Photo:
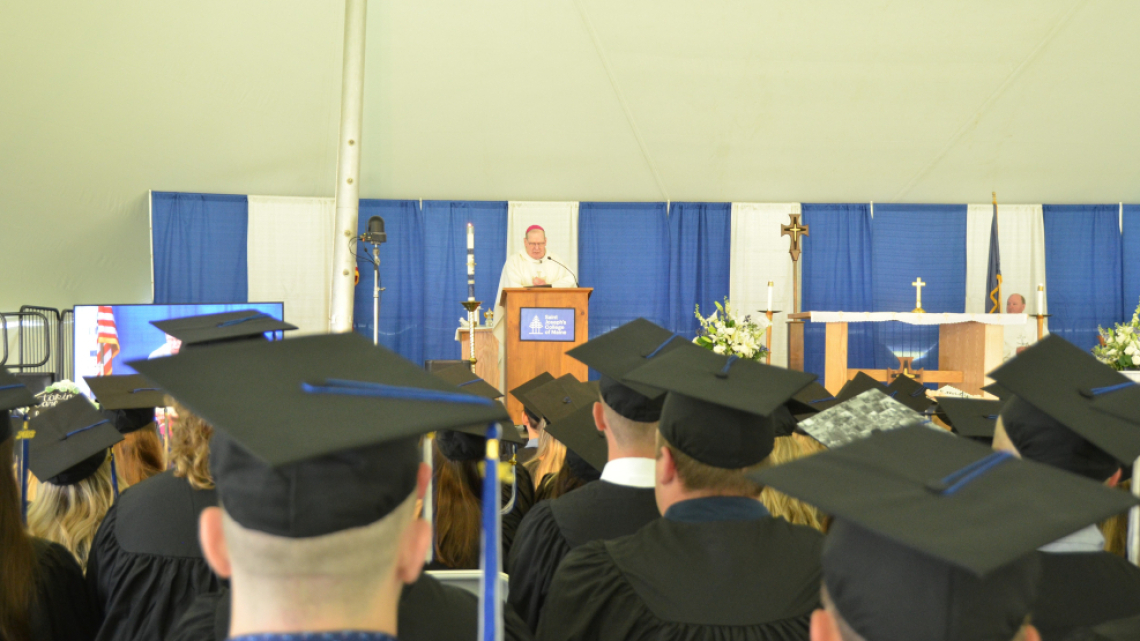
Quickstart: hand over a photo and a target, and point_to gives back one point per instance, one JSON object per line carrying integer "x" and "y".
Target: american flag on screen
{"x": 108, "y": 340}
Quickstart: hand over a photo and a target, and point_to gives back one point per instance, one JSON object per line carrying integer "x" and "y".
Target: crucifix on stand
{"x": 795, "y": 231}
{"x": 918, "y": 285}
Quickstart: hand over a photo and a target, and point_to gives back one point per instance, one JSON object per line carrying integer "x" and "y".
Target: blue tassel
{"x": 114, "y": 477}
{"x": 342, "y": 387}
{"x": 662, "y": 345}
{"x": 1097, "y": 391}
{"x": 963, "y": 477}
{"x": 84, "y": 429}
{"x": 723, "y": 373}
{"x": 490, "y": 601}
{"x": 238, "y": 321}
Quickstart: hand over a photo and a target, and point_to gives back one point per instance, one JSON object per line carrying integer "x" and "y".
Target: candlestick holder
{"x": 1040, "y": 324}
{"x": 768, "y": 335}
{"x": 472, "y": 322}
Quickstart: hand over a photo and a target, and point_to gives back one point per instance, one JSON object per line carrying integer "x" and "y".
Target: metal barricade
{"x": 33, "y": 333}
{"x": 65, "y": 346}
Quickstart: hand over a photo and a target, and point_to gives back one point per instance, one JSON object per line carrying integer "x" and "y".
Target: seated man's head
{"x": 628, "y": 419}
{"x": 535, "y": 242}
{"x": 1029, "y": 433}
{"x": 1015, "y": 304}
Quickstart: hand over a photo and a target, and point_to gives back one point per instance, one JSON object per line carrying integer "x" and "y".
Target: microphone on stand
{"x": 548, "y": 257}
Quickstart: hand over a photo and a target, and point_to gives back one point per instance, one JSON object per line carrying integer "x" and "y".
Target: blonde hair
{"x": 190, "y": 447}
{"x": 548, "y": 460}
{"x": 787, "y": 449}
{"x": 70, "y": 514}
{"x": 343, "y": 567}
{"x": 700, "y": 476}
{"x": 1115, "y": 529}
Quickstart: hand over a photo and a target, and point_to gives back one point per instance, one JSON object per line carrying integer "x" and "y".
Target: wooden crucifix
{"x": 795, "y": 231}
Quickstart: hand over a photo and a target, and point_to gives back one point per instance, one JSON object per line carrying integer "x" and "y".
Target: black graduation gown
{"x": 730, "y": 580}
{"x": 145, "y": 566}
{"x": 597, "y": 511}
{"x": 1081, "y": 590}
{"x": 524, "y": 501}
{"x": 429, "y": 611}
{"x": 64, "y": 609}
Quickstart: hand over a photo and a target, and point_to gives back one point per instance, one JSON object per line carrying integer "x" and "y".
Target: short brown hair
{"x": 700, "y": 476}
{"x": 190, "y": 447}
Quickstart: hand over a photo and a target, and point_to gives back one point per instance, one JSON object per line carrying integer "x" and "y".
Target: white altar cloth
{"x": 911, "y": 318}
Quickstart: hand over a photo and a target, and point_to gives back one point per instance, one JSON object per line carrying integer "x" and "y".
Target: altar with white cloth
{"x": 969, "y": 346}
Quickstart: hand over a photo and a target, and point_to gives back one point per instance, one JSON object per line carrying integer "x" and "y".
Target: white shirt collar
{"x": 1087, "y": 540}
{"x": 631, "y": 472}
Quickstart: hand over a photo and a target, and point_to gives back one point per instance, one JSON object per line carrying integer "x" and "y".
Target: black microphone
{"x": 375, "y": 233}
{"x": 548, "y": 257}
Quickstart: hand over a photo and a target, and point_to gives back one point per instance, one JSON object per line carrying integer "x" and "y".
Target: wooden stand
{"x": 1041, "y": 324}
{"x": 486, "y": 353}
{"x": 527, "y": 359}
{"x": 768, "y": 336}
{"x": 973, "y": 349}
{"x": 796, "y": 345}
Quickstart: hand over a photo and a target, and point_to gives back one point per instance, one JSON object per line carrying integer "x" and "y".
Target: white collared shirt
{"x": 631, "y": 472}
{"x": 1087, "y": 540}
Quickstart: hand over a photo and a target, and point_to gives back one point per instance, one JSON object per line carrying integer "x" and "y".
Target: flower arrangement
{"x": 726, "y": 333}
{"x": 1120, "y": 346}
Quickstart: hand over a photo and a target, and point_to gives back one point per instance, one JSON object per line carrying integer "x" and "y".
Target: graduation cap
{"x": 578, "y": 432}
{"x": 520, "y": 392}
{"x": 936, "y": 542}
{"x": 909, "y": 392}
{"x": 129, "y": 401}
{"x": 856, "y": 386}
{"x": 718, "y": 407}
{"x": 317, "y": 434}
{"x": 619, "y": 352}
{"x": 997, "y": 390}
{"x": 1124, "y": 403}
{"x": 560, "y": 397}
{"x": 971, "y": 417}
{"x": 209, "y": 329}
{"x": 462, "y": 377}
{"x": 811, "y": 400}
{"x": 71, "y": 442}
{"x": 1063, "y": 382}
{"x": 13, "y": 394}
{"x": 858, "y": 417}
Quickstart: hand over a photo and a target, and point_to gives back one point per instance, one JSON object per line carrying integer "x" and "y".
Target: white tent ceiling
{"x": 742, "y": 100}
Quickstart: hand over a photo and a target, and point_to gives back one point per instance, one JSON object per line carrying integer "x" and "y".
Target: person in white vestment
{"x": 1018, "y": 337}
{"x": 532, "y": 267}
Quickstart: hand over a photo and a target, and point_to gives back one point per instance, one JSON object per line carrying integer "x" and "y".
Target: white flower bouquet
{"x": 726, "y": 333}
{"x": 1120, "y": 346}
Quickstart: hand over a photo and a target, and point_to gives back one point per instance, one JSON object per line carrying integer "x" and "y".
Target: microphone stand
{"x": 376, "y": 289}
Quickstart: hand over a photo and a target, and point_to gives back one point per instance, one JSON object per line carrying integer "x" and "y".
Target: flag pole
{"x": 994, "y": 194}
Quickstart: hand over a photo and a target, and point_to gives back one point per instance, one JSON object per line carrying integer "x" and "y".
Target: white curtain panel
{"x": 289, "y": 247}
{"x": 760, "y": 254}
{"x": 1021, "y": 237}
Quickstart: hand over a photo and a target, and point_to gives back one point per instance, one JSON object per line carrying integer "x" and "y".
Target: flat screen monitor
{"x": 547, "y": 324}
{"x": 108, "y": 336}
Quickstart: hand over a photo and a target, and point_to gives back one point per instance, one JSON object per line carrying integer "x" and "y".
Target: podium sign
{"x": 547, "y": 324}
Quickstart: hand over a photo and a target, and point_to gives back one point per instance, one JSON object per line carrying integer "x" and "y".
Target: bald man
{"x": 1018, "y": 337}
{"x": 534, "y": 266}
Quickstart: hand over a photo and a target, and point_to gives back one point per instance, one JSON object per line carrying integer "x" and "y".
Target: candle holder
{"x": 1040, "y": 324}
{"x": 768, "y": 335}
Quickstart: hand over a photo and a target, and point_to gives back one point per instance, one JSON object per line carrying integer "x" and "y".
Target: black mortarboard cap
{"x": 812, "y": 399}
{"x": 520, "y": 392}
{"x": 209, "y": 329}
{"x": 909, "y": 392}
{"x": 1042, "y": 438}
{"x": 936, "y": 543}
{"x": 129, "y": 401}
{"x": 1123, "y": 403}
{"x": 13, "y": 394}
{"x": 462, "y": 377}
{"x": 580, "y": 434}
{"x": 1063, "y": 381}
{"x": 469, "y": 443}
{"x": 856, "y": 386}
{"x": 71, "y": 441}
{"x": 997, "y": 390}
{"x": 619, "y": 352}
{"x": 971, "y": 417}
{"x": 560, "y": 397}
{"x": 317, "y": 434}
{"x": 718, "y": 408}
{"x": 858, "y": 417}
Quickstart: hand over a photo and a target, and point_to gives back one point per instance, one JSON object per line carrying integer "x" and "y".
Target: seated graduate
{"x": 549, "y": 455}
{"x": 533, "y": 422}
{"x": 146, "y": 566}
{"x": 42, "y": 594}
{"x": 785, "y": 450}
{"x": 71, "y": 457}
{"x": 317, "y": 527}
{"x": 717, "y": 564}
{"x": 937, "y": 543}
{"x": 131, "y": 407}
{"x": 618, "y": 436}
{"x": 556, "y": 401}
{"x": 1051, "y": 418}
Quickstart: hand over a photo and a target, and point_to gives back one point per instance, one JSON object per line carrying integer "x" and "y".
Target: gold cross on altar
{"x": 918, "y": 285}
{"x": 795, "y": 230}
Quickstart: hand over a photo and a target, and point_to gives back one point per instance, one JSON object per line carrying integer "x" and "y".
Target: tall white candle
{"x": 769, "y": 308}
{"x": 470, "y": 236}
{"x": 1041, "y": 298}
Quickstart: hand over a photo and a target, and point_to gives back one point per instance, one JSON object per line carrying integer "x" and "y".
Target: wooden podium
{"x": 486, "y": 352}
{"x": 525, "y": 359}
